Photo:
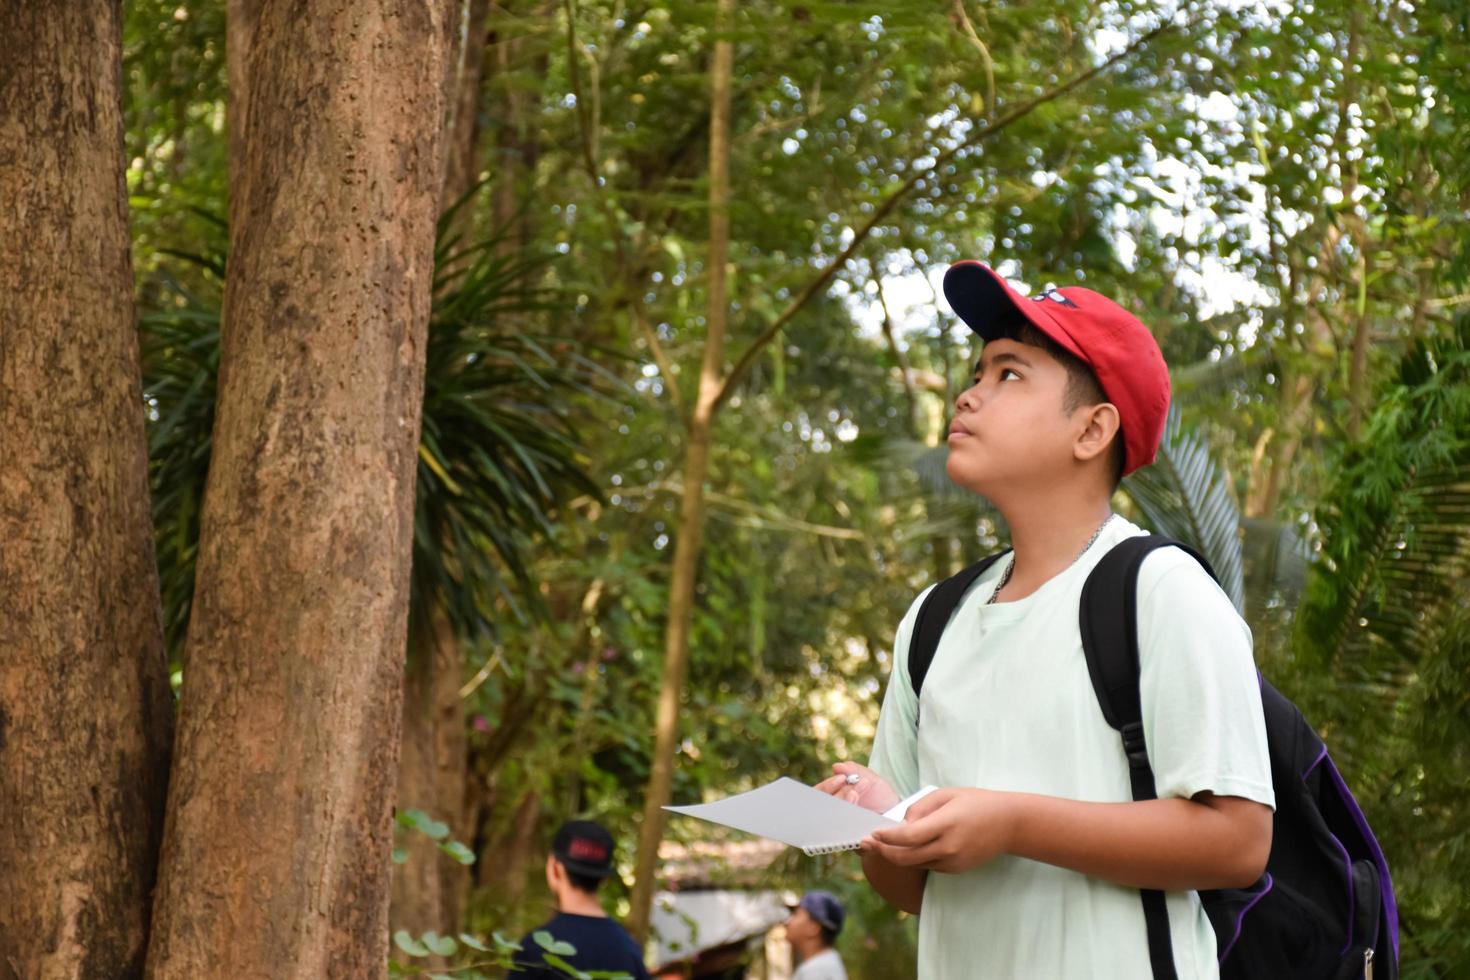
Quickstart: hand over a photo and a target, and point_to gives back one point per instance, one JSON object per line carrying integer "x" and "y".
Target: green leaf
{"x": 423, "y": 823}
{"x": 503, "y": 944}
{"x": 399, "y": 855}
{"x": 474, "y": 943}
{"x": 459, "y": 852}
{"x": 440, "y": 945}
{"x": 556, "y": 961}
{"x": 551, "y": 944}
{"x": 404, "y": 941}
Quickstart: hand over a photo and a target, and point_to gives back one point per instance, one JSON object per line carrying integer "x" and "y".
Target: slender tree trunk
{"x": 691, "y": 508}
{"x": 428, "y": 888}
{"x": 516, "y": 147}
{"x": 462, "y": 101}
{"x": 1362, "y": 339}
{"x": 85, "y": 709}
{"x": 275, "y": 858}
{"x": 506, "y": 859}
{"x": 1297, "y": 394}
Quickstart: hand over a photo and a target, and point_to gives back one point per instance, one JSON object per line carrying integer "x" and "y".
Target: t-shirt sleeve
{"x": 1202, "y": 716}
{"x": 896, "y": 743}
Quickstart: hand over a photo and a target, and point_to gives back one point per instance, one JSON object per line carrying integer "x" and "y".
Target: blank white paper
{"x": 792, "y": 813}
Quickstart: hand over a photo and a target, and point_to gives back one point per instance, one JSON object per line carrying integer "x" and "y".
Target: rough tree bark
{"x": 275, "y": 861}
{"x": 85, "y": 709}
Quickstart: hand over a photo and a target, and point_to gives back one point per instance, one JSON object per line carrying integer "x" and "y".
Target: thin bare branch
{"x": 915, "y": 179}
{"x": 905, "y": 372}
{"x": 962, "y": 19}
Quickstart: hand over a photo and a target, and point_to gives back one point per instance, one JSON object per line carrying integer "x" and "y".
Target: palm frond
{"x": 1186, "y": 495}
{"x": 1396, "y": 541}
{"x": 180, "y": 353}
{"x": 499, "y": 450}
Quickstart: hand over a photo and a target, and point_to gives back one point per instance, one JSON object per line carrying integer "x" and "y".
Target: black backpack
{"x": 1325, "y": 906}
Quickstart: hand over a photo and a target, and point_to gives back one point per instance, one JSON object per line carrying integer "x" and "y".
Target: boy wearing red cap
{"x": 1027, "y": 862}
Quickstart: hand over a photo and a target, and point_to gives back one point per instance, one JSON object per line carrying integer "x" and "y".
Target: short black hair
{"x": 581, "y": 882}
{"x": 1083, "y": 388}
{"x": 829, "y": 936}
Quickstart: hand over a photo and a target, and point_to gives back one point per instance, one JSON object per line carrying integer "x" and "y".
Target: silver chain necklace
{"x": 1005, "y": 576}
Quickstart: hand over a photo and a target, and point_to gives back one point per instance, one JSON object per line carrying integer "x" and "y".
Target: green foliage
{"x": 437, "y": 831}
{"x": 1395, "y": 524}
{"x": 498, "y": 450}
{"x": 1332, "y": 192}
{"x": 180, "y": 355}
{"x": 1185, "y": 495}
{"x": 1381, "y": 653}
{"x": 469, "y": 958}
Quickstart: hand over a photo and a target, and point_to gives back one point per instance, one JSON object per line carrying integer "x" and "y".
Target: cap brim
{"x": 984, "y": 300}
{"x": 586, "y": 870}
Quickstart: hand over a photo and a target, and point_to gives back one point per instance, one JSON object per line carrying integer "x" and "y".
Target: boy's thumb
{"x": 922, "y": 808}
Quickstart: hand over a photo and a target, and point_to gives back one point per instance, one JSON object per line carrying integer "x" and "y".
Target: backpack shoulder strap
{"x": 934, "y": 615}
{"x": 1108, "y": 621}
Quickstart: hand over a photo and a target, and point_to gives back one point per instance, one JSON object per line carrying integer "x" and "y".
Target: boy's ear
{"x": 1099, "y": 428}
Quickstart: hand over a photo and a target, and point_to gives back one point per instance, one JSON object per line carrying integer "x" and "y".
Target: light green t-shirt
{"x": 1008, "y": 705}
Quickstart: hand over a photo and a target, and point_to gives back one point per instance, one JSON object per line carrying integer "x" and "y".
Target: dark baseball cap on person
{"x": 584, "y": 847}
{"x": 825, "y": 910}
{"x": 1107, "y": 338}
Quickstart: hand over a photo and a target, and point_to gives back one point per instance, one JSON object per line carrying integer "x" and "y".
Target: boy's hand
{"x": 949, "y": 830}
{"x": 870, "y": 792}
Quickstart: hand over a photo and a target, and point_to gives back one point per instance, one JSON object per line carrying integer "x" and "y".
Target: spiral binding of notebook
{"x": 831, "y": 848}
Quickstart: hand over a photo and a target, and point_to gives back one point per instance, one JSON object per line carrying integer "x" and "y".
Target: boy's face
{"x": 1010, "y": 429}
{"x": 801, "y": 926}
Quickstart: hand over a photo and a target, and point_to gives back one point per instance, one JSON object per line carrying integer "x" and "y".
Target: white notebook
{"x": 800, "y": 816}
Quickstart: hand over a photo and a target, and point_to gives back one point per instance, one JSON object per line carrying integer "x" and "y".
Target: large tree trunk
{"x": 276, "y": 852}
{"x": 85, "y": 710}
{"x": 691, "y": 509}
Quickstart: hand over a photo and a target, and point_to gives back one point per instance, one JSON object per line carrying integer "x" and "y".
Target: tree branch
{"x": 904, "y": 189}
{"x": 962, "y": 20}
{"x": 905, "y": 372}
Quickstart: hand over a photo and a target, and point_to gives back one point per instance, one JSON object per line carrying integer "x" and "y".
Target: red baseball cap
{"x": 1110, "y": 340}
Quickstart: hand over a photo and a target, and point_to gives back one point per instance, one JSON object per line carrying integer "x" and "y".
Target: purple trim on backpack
{"x": 1320, "y": 756}
{"x": 1239, "y": 919}
{"x": 1385, "y": 881}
